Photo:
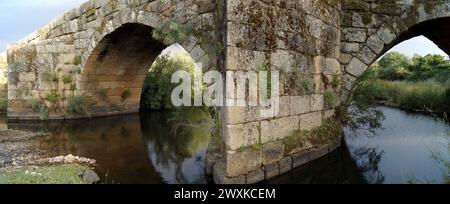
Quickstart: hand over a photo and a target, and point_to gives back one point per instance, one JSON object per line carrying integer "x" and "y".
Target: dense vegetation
{"x": 158, "y": 87}
{"x": 416, "y": 84}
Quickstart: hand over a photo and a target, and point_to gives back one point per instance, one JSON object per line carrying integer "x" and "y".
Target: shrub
{"x": 171, "y": 32}
{"x": 50, "y": 75}
{"x": 38, "y": 107}
{"x": 67, "y": 79}
{"x": 331, "y": 99}
{"x": 305, "y": 85}
{"x": 76, "y": 60}
{"x": 408, "y": 95}
{"x": 157, "y": 89}
{"x": 52, "y": 97}
{"x": 76, "y": 104}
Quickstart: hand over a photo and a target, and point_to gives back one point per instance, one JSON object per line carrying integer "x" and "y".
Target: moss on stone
{"x": 301, "y": 139}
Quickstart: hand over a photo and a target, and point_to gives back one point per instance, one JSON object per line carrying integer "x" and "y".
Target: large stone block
{"x": 311, "y": 121}
{"x": 273, "y": 152}
{"x": 356, "y": 67}
{"x": 271, "y": 170}
{"x": 221, "y": 178}
{"x": 234, "y": 115}
{"x": 285, "y": 165}
{"x": 301, "y": 159}
{"x": 255, "y": 176}
{"x": 246, "y": 60}
{"x": 300, "y": 104}
{"x": 317, "y": 102}
{"x": 284, "y": 128}
{"x": 242, "y": 135}
{"x": 27, "y": 76}
{"x": 243, "y": 161}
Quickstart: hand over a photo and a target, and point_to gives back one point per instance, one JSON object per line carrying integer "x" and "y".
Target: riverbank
{"x": 421, "y": 97}
{"x": 22, "y": 161}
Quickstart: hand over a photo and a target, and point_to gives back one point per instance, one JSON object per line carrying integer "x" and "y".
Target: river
{"x": 160, "y": 148}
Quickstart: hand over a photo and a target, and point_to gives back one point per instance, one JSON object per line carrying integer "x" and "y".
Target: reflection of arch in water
{"x": 178, "y": 158}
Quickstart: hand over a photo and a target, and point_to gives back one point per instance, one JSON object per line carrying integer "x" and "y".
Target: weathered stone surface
{"x": 318, "y": 152}
{"x": 300, "y": 104}
{"x": 273, "y": 152}
{"x": 271, "y": 170}
{"x": 243, "y": 135}
{"x": 284, "y": 126}
{"x": 285, "y": 165}
{"x": 221, "y": 178}
{"x": 317, "y": 102}
{"x": 301, "y": 159}
{"x": 375, "y": 43}
{"x": 255, "y": 176}
{"x": 356, "y": 67}
{"x": 386, "y": 34}
{"x": 243, "y": 161}
{"x": 329, "y": 114}
{"x": 310, "y": 121}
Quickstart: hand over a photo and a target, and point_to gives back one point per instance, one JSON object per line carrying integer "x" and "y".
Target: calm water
{"x": 170, "y": 148}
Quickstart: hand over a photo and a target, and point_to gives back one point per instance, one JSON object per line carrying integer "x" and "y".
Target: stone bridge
{"x": 103, "y": 50}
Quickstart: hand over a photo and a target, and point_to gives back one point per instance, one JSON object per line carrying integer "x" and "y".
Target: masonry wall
{"x": 301, "y": 40}
{"x": 53, "y": 64}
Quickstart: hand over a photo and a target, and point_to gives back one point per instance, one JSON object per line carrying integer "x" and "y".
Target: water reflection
{"x": 170, "y": 148}
{"x": 134, "y": 148}
{"x": 403, "y": 151}
{"x": 177, "y": 148}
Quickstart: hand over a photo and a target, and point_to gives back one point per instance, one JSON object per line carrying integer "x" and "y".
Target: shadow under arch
{"x": 115, "y": 71}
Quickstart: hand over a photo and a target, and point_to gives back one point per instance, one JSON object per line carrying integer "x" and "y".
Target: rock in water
{"x": 91, "y": 177}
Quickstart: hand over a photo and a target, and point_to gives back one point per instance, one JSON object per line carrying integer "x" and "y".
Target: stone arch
{"x": 118, "y": 64}
{"x": 368, "y": 32}
{"x": 66, "y": 44}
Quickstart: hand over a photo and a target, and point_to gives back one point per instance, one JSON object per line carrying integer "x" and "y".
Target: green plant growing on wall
{"x": 77, "y": 104}
{"x": 76, "y": 60}
{"x": 50, "y": 75}
{"x": 207, "y": 44}
{"x": 171, "y": 32}
{"x": 38, "y": 107}
{"x": 73, "y": 88}
{"x": 336, "y": 82}
{"x": 67, "y": 79}
{"x": 303, "y": 84}
{"x": 125, "y": 95}
{"x": 53, "y": 98}
{"x": 331, "y": 99}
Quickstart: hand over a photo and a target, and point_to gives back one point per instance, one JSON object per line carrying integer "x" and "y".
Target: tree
{"x": 394, "y": 66}
{"x": 157, "y": 86}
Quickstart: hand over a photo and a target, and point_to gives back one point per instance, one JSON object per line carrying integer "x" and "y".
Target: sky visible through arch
{"x": 18, "y": 18}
